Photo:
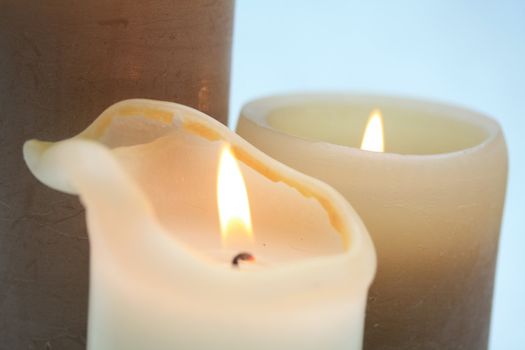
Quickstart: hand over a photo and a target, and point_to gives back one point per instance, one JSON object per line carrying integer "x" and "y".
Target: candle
{"x": 432, "y": 202}
{"x": 61, "y": 64}
{"x": 163, "y": 277}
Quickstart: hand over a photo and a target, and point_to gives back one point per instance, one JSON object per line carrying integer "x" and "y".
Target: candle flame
{"x": 373, "y": 139}
{"x": 232, "y": 201}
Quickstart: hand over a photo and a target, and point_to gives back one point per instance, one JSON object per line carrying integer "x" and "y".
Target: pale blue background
{"x": 464, "y": 52}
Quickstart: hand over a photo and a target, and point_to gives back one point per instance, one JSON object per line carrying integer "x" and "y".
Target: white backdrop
{"x": 470, "y": 53}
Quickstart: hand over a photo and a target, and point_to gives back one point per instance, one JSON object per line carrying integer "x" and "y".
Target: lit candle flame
{"x": 232, "y": 201}
{"x": 373, "y": 139}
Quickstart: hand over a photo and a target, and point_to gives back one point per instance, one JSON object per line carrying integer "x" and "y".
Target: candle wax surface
{"x": 406, "y": 130}
{"x": 286, "y": 225}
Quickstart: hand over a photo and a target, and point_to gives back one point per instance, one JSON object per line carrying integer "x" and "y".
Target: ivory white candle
{"x": 161, "y": 278}
{"x": 432, "y": 202}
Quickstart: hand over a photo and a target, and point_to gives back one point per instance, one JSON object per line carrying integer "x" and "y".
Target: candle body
{"x": 124, "y": 316}
{"x": 434, "y": 218}
{"x": 148, "y": 180}
{"x": 61, "y": 64}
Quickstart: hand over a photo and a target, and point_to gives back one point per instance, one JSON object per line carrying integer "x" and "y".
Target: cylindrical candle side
{"x": 61, "y": 64}
{"x": 434, "y": 216}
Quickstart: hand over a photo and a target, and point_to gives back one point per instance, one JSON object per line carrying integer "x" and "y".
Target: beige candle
{"x": 432, "y": 202}
{"x": 162, "y": 277}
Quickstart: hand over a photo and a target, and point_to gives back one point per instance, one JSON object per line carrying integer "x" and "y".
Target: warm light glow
{"x": 373, "y": 136}
{"x": 232, "y": 202}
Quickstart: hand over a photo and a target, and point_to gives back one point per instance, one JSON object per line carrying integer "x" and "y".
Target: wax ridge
{"x": 203, "y": 130}
{"x": 166, "y": 116}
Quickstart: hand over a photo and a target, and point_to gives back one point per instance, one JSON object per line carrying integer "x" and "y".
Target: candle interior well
{"x": 178, "y": 173}
{"x": 409, "y": 129}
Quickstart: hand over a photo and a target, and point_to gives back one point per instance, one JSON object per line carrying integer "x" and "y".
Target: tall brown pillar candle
{"x": 61, "y": 64}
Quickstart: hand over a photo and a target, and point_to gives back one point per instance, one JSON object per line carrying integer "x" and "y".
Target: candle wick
{"x": 243, "y": 256}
